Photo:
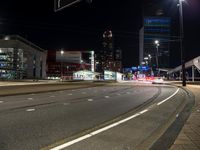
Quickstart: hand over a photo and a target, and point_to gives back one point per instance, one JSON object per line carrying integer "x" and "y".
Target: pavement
{"x": 189, "y": 137}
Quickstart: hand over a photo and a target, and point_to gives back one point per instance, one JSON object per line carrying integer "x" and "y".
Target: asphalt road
{"x": 34, "y": 121}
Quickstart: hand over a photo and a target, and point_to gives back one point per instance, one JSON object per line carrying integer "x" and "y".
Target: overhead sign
{"x": 61, "y": 4}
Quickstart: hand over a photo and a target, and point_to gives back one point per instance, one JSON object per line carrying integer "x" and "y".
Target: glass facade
{"x": 12, "y": 63}
{"x": 157, "y": 28}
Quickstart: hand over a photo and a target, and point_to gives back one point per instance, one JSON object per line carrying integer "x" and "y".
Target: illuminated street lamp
{"x": 181, "y": 41}
{"x": 157, "y": 43}
{"x": 61, "y": 67}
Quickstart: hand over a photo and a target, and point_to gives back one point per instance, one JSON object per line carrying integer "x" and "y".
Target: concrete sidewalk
{"x": 189, "y": 137}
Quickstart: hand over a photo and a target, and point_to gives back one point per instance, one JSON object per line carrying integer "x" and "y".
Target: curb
{"x": 169, "y": 136}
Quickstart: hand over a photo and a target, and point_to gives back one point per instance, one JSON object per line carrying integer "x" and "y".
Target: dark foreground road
{"x": 35, "y": 121}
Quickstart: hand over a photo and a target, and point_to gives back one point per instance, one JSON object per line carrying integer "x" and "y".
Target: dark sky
{"x": 81, "y": 26}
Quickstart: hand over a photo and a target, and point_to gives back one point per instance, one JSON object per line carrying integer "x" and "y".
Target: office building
{"x": 21, "y": 59}
{"x": 155, "y": 28}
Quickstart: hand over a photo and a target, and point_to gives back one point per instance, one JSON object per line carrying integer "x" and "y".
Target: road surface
{"x": 35, "y": 121}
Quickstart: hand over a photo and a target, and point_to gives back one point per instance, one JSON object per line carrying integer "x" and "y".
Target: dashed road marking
{"x": 177, "y": 115}
{"x": 83, "y": 92}
{"x": 1, "y": 101}
{"x": 52, "y": 96}
{"x": 90, "y": 100}
{"x": 107, "y": 96}
{"x": 70, "y": 94}
{"x": 30, "y": 98}
{"x": 65, "y": 145}
{"x": 31, "y": 109}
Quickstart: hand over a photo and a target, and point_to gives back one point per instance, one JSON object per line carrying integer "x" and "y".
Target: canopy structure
{"x": 194, "y": 63}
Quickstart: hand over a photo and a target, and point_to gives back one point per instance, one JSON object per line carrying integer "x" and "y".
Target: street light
{"x": 156, "y": 42}
{"x": 181, "y": 41}
{"x": 61, "y": 66}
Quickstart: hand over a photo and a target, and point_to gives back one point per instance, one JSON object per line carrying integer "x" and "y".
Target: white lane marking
{"x": 70, "y": 94}
{"x": 60, "y": 147}
{"x": 30, "y": 98}
{"x": 73, "y": 90}
{"x": 71, "y": 142}
{"x": 83, "y": 92}
{"x": 1, "y": 101}
{"x": 107, "y": 96}
{"x": 32, "y": 94}
{"x": 142, "y": 112}
{"x": 52, "y": 96}
{"x": 127, "y": 92}
{"x": 168, "y": 97}
{"x": 118, "y": 94}
{"x": 61, "y": 91}
{"x": 177, "y": 115}
{"x": 31, "y": 109}
{"x": 90, "y": 100}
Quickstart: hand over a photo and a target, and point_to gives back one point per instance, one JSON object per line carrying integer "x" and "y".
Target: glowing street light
{"x": 62, "y": 52}
{"x": 61, "y": 65}
{"x": 157, "y": 43}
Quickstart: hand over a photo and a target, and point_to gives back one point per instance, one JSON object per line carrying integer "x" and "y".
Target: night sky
{"x": 80, "y": 27}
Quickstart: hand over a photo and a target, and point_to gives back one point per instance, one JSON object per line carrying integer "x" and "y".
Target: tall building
{"x": 108, "y": 58}
{"x": 155, "y": 28}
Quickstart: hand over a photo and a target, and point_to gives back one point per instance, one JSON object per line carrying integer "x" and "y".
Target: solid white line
{"x": 142, "y": 112}
{"x": 71, "y": 142}
{"x": 96, "y": 132}
{"x": 168, "y": 97}
{"x": 107, "y": 127}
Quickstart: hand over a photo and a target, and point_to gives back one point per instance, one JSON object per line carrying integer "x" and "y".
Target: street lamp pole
{"x": 157, "y": 45}
{"x": 181, "y": 42}
{"x": 61, "y": 66}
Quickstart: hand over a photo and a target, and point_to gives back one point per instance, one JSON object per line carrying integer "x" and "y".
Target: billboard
{"x": 69, "y": 56}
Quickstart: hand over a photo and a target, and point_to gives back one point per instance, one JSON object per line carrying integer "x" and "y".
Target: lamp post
{"x": 61, "y": 66}
{"x": 181, "y": 41}
{"x": 157, "y": 45}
